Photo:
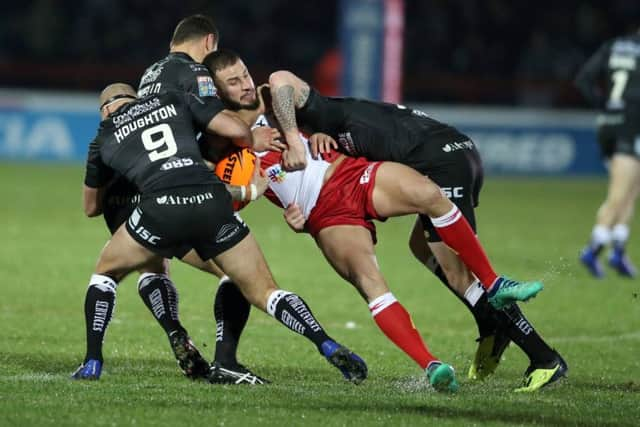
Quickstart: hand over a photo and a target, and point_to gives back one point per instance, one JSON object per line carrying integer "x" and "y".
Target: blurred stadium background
{"x": 467, "y": 59}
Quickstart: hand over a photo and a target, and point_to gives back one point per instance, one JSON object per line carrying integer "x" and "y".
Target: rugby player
{"x": 193, "y": 38}
{"x": 617, "y": 62}
{"x": 183, "y": 206}
{"x": 496, "y": 327}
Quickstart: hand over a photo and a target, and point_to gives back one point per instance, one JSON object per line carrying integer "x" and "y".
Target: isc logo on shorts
{"x": 453, "y": 192}
{"x": 142, "y": 232}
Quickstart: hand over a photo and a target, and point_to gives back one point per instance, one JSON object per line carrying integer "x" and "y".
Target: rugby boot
{"x": 353, "y": 368}
{"x": 621, "y": 263}
{"x": 589, "y": 258}
{"x": 89, "y": 370}
{"x": 505, "y": 292}
{"x": 488, "y": 355}
{"x": 540, "y": 375}
{"x": 442, "y": 377}
{"x": 237, "y": 374}
{"x": 189, "y": 359}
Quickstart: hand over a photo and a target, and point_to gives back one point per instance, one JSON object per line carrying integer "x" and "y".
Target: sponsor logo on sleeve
{"x": 205, "y": 86}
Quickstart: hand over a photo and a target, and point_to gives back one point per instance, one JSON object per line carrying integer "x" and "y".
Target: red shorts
{"x": 347, "y": 198}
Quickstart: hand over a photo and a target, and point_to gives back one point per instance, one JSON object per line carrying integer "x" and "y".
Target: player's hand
{"x": 259, "y": 179}
{"x": 294, "y": 156}
{"x": 266, "y": 138}
{"x": 321, "y": 143}
{"x": 264, "y": 96}
{"x": 294, "y": 217}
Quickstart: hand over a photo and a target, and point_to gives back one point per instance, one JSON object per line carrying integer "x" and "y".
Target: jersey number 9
{"x": 156, "y": 138}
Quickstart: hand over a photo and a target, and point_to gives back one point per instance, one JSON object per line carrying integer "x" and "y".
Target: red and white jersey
{"x": 300, "y": 187}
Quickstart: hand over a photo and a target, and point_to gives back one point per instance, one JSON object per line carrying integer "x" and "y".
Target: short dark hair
{"x": 192, "y": 27}
{"x": 221, "y": 58}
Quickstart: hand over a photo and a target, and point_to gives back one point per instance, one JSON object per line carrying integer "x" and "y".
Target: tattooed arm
{"x": 288, "y": 92}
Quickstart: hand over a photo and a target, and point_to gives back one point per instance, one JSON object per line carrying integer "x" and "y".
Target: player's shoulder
{"x": 184, "y": 63}
{"x": 628, "y": 44}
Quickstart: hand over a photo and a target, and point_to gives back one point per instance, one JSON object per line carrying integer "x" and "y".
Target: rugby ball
{"x": 237, "y": 169}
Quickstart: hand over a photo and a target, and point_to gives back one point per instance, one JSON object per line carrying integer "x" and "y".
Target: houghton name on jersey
{"x": 152, "y": 143}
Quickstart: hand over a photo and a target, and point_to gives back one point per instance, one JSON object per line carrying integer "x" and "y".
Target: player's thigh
{"x": 193, "y": 259}
{"x": 624, "y": 175}
{"x": 400, "y": 190}
{"x": 245, "y": 264}
{"x": 350, "y": 251}
{"x": 457, "y": 273}
{"x": 122, "y": 254}
{"x": 156, "y": 266}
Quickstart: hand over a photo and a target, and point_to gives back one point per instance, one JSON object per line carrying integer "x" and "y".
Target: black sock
{"x": 231, "y": 311}
{"x": 291, "y": 310}
{"x": 482, "y": 312}
{"x": 161, "y": 298}
{"x": 98, "y": 308}
{"x": 525, "y": 336}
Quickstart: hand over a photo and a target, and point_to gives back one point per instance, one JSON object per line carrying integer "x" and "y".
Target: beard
{"x": 235, "y": 106}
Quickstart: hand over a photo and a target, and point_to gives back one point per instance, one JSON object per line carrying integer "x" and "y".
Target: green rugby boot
{"x": 442, "y": 377}
{"x": 505, "y": 292}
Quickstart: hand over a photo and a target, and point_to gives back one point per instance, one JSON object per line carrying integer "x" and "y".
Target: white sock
{"x": 104, "y": 283}
{"x": 600, "y": 236}
{"x": 380, "y": 303}
{"x": 620, "y": 234}
{"x": 274, "y": 299}
{"x": 474, "y": 292}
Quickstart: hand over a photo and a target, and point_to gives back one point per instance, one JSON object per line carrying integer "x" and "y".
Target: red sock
{"x": 455, "y": 231}
{"x": 397, "y": 325}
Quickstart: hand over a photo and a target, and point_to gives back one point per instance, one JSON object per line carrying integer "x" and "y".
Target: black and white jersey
{"x": 377, "y": 130}
{"x": 177, "y": 72}
{"x": 610, "y": 79}
{"x": 152, "y": 143}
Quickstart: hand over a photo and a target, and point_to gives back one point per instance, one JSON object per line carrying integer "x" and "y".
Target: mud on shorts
{"x": 346, "y": 198}
{"x": 172, "y": 222}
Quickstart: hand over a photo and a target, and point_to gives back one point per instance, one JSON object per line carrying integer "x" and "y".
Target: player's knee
{"x": 369, "y": 283}
{"x": 425, "y": 197}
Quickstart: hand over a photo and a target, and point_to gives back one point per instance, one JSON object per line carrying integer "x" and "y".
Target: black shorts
{"x": 120, "y": 199}
{"x": 172, "y": 222}
{"x": 620, "y": 136}
{"x": 451, "y": 160}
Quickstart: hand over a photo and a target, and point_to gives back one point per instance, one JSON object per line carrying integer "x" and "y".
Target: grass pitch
{"x": 531, "y": 229}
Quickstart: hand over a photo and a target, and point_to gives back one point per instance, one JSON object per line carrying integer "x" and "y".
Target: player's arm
{"x": 210, "y": 116}
{"x": 288, "y": 93}
{"x": 97, "y": 176}
{"x": 587, "y": 79}
{"x": 228, "y": 125}
{"x": 256, "y": 188}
